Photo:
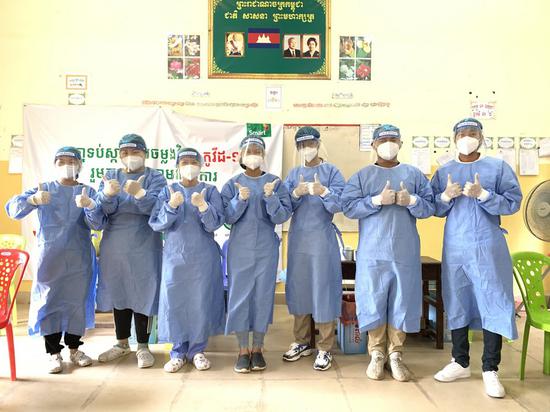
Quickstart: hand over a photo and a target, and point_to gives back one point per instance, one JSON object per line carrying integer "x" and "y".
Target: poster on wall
{"x": 184, "y": 56}
{"x": 269, "y": 39}
{"x": 355, "y": 58}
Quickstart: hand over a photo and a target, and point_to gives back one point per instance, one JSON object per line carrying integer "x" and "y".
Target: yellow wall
{"x": 427, "y": 57}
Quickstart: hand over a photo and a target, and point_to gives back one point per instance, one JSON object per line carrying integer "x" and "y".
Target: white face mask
{"x": 308, "y": 153}
{"x": 252, "y": 161}
{"x": 133, "y": 163}
{"x": 388, "y": 150}
{"x": 189, "y": 172}
{"x": 67, "y": 172}
{"x": 467, "y": 145}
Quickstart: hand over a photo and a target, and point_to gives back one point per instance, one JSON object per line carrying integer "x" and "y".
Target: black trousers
{"x": 492, "y": 347}
{"x": 123, "y": 324}
{"x": 53, "y": 342}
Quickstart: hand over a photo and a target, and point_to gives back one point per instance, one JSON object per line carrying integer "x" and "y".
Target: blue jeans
{"x": 184, "y": 350}
{"x": 492, "y": 347}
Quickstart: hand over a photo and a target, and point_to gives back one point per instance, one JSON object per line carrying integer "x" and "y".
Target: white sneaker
{"x": 174, "y": 365}
{"x": 200, "y": 362}
{"x": 323, "y": 361}
{"x": 55, "y": 363}
{"x": 115, "y": 352}
{"x": 296, "y": 351}
{"x": 493, "y": 387}
{"x": 452, "y": 372}
{"x": 79, "y": 358}
{"x": 145, "y": 358}
{"x": 399, "y": 370}
{"x": 375, "y": 370}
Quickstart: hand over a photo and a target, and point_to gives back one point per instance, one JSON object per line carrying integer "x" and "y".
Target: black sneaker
{"x": 296, "y": 351}
{"x": 243, "y": 364}
{"x": 258, "y": 362}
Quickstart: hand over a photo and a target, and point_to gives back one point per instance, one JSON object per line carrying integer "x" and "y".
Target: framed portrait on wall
{"x": 269, "y": 39}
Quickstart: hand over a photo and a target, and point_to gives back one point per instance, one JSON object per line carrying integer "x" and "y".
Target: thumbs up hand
{"x": 302, "y": 188}
{"x": 176, "y": 198}
{"x": 83, "y": 200}
{"x": 452, "y": 190}
{"x": 316, "y": 188}
{"x": 473, "y": 190}
{"x": 403, "y": 197}
{"x": 244, "y": 192}
{"x": 41, "y": 197}
{"x": 197, "y": 200}
{"x": 135, "y": 187}
{"x": 111, "y": 187}
{"x": 270, "y": 187}
{"x": 386, "y": 197}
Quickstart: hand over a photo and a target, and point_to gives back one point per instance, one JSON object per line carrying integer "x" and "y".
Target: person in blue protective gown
{"x": 191, "y": 302}
{"x": 314, "y": 270}
{"x": 387, "y": 198}
{"x": 472, "y": 192}
{"x": 131, "y": 252}
{"x": 62, "y": 298}
{"x": 254, "y": 202}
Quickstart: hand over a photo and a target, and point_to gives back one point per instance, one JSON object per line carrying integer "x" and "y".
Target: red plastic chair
{"x": 12, "y": 262}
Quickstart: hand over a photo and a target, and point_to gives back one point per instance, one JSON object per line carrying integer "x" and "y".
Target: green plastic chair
{"x": 528, "y": 274}
{"x": 10, "y": 241}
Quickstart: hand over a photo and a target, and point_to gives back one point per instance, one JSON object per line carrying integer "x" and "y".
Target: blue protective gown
{"x": 477, "y": 268}
{"x": 253, "y": 251}
{"x": 191, "y": 303}
{"x": 63, "y": 290}
{"x": 388, "y": 284}
{"x": 314, "y": 269}
{"x": 131, "y": 252}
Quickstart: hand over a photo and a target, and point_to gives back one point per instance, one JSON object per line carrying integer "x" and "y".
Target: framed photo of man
{"x": 291, "y": 46}
{"x": 234, "y": 44}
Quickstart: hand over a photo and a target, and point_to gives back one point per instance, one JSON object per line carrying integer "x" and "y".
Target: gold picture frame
{"x": 323, "y": 73}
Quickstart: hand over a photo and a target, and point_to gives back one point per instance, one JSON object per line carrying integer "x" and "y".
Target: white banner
{"x": 96, "y": 131}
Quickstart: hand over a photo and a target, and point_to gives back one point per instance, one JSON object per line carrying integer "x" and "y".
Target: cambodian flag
{"x": 264, "y": 38}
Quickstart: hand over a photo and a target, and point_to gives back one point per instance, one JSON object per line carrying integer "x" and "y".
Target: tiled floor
{"x": 282, "y": 387}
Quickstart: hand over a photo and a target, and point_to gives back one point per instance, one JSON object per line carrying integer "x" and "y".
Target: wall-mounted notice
{"x": 506, "y": 150}
{"x": 76, "y": 82}
{"x": 528, "y": 156}
{"x": 274, "y": 97}
{"x": 15, "y": 164}
{"x": 483, "y": 110}
{"x": 443, "y": 149}
{"x": 420, "y": 156}
{"x": 544, "y": 147}
{"x": 366, "y": 132}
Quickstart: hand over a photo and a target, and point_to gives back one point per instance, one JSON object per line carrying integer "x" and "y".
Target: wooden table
{"x": 431, "y": 296}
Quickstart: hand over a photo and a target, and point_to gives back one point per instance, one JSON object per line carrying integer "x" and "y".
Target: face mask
{"x": 388, "y": 150}
{"x": 308, "y": 153}
{"x": 133, "y": 163}
{"x": 252, "y": 161}
{"x": 467, "y": 145}
{"x": 189, "y": 172}
{"x": 67, "y": 172}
